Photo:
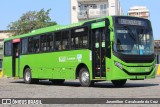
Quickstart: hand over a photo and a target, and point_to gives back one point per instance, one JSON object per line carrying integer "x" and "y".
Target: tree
{"x": 30, "y": 21}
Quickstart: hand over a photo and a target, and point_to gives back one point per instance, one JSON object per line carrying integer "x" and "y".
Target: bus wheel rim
{"x": 28, "y": 76}
{"x": 85, "y": 77}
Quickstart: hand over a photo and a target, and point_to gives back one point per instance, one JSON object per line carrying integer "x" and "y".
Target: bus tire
{"x": 84, "y": 78}
{"x": 119, "y": 83}
{"x": 28, "y": 76}
{"x": 57, "y": 81}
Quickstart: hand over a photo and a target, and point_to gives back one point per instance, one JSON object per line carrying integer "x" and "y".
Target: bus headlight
{"x": 119, "y": 65}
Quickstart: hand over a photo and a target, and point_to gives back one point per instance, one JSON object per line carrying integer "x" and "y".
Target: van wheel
{"x": 28, "y": 77}
{"x": 84, "y": 78}
{"x": 119, "y": 83}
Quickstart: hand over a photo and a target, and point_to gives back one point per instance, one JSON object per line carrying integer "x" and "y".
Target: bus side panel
{"x": 7, "y": 66}
{"x": 56, "y": 65}
{"x": 45, "y": 65}
{"x": 66, "y": 63}
{"x": 33, "y": 62}
{"x": 40, "y": 65}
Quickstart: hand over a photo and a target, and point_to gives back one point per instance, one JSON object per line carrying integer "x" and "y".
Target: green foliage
{"x": 30, "y": 21}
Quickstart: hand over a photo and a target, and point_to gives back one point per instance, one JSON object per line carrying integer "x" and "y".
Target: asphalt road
{"x": 11, "y": 88}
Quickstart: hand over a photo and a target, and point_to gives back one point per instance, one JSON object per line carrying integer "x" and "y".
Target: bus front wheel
{"x": 84, "y": 78}
{"x": 28, "y": 77}
{"x": 119, "y": 83}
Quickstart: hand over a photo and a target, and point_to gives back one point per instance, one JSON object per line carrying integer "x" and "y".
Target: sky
{"x": 12, "y": 10}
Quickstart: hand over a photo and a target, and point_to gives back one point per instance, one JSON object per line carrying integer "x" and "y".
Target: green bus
{"x": 112, "y": 48}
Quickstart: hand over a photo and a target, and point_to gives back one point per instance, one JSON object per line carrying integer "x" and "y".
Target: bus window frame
{"x": 34, "y": 43}
{"x": 47, "y": 42}
{"x": 57, "y": 49}
{"x": 69, "y": 39}
{"x": 22, "y": 47}
{"x": 5, "y": 48}
{"x": 88, "y": 46}
{"x": 51, "y": 49}
{"x": 88, "y": 37}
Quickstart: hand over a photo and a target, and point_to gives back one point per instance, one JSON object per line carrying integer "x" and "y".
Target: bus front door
{"x": 15, "y": 58}
{"x": 98, "y": 53}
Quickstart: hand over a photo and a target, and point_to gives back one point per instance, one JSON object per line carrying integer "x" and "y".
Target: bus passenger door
{"x": 15, "y": 57}
{"x": 98, "y": 53}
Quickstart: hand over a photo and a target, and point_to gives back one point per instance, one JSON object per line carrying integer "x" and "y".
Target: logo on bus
{"x": 62, "y": 59}
{"x": 70, "y": 58}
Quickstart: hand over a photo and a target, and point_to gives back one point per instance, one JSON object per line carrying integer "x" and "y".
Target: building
{"x": 139, "y": 11}
{"x": 89, "y": 9}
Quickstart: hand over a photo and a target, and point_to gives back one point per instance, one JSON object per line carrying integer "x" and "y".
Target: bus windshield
{"x": 133, "y": 40}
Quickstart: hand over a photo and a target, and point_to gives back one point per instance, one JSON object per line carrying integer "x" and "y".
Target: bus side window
{"x": 43, "y": 43}
{"x": 79, "y": 38}
{"x": 30, "y": 45}
{"x": 57, "y": 42}
{"x": 50, "y": 44}
{"x": 72, "y": 42}
{"x": 76, "y": 42}
{"x": 8, "y": 48}
{"x": 36, "y": 44}
{"x": 24, "y": 45}
{"x": 83, "y": 41}
{"x": 65, "y": 40}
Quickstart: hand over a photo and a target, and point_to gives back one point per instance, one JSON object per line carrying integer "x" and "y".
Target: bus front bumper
{"x": 132, "y": 73}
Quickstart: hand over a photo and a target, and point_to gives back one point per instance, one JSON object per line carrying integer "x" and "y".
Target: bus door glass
{"x": 98, "y": 52}
{"x": 15, "y": 57}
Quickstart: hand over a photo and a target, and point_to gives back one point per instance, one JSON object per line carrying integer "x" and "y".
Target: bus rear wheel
{"x": 28, "y": 77}
{"x": 84, "y": 78}
{"x": 58, "y": 81}
{"x": 119, "y": 83}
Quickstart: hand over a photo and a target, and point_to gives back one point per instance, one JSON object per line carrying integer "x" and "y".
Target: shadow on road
{"x": 96, "y": 85}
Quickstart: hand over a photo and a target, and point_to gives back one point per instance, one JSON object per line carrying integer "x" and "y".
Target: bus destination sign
{"x": 136, "y": 22}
